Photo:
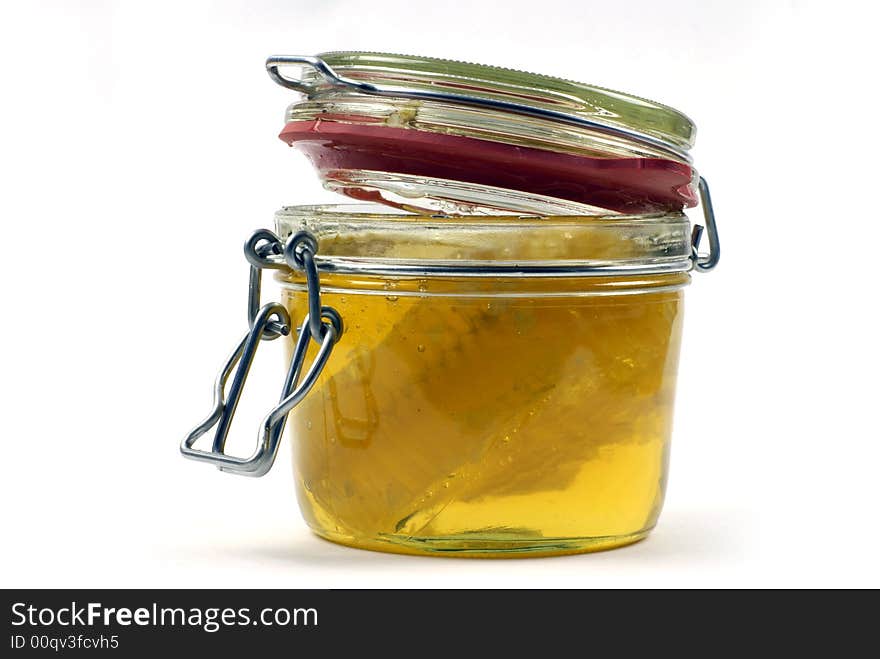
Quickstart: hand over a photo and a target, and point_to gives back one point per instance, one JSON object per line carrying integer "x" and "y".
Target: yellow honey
{"x": 490, "y": 417}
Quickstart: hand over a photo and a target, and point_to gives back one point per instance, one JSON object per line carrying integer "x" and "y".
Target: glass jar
{"x": 483, "y": 364}
{"x": 504, "y": 385}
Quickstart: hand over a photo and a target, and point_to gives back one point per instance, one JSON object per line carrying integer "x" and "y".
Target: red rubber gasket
{"x": 628, "y": 185}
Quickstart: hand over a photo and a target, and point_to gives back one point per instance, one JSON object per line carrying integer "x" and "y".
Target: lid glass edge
{"x": 590, "y": 101}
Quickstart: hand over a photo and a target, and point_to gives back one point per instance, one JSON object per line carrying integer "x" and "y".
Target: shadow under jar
{"x": 504, "y": 385}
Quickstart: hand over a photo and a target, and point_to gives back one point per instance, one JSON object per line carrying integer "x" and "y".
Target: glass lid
{"x": 433, "y": 135}
{"x": 578, "y": 99}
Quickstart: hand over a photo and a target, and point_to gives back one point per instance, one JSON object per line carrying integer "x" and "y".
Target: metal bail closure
{"x": 271, "y": 321}
{"x": 704, "y": 263}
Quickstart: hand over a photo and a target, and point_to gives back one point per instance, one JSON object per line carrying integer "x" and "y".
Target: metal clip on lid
{"x": 323, "y": 324}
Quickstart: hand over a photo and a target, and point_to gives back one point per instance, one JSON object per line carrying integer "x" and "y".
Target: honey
{"x": 491, "y": 417}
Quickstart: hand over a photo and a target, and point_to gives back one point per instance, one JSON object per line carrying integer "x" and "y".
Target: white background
{"x": 139, "y": 149}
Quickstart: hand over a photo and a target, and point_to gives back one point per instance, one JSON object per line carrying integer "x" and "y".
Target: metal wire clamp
{"x": 264, "y": 250}
{"x": 705, "y": 262}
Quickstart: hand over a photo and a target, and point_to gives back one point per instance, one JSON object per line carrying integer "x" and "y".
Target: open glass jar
{"x": 488, "y": 384}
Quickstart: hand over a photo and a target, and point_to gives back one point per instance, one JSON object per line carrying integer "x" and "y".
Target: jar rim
{"x": 379, "y": 212}
{"x": 374, "y": 239}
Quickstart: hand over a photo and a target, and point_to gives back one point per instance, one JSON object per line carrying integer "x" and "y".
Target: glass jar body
{"x": 490, "y": 416}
